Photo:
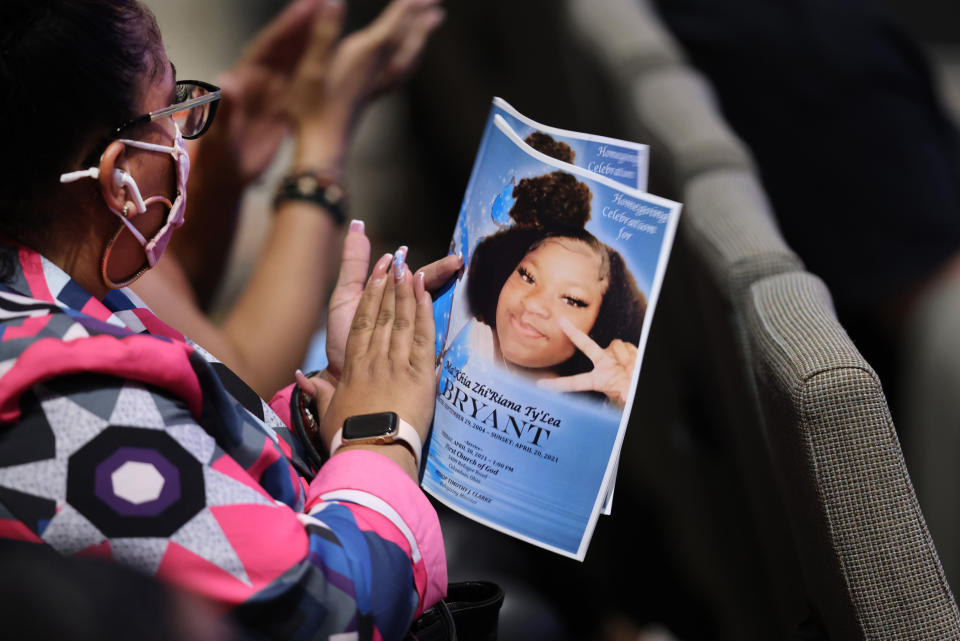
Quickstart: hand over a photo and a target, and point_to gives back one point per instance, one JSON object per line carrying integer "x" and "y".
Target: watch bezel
{"x": 377, "y": 427}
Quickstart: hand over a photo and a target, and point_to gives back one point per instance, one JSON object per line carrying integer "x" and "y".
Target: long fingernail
{"x": 356, "y": 225}
{"x": 303, "y": 382}
{"x": 380, "y": 269}
{"x": 398, "y": 262}
{"x": 420, "y": 286}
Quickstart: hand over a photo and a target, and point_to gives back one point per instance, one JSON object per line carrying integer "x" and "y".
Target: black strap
{"x": 317, "y": 187}
{"x": 470, "y": 612}
{"x": 446, "y": 619}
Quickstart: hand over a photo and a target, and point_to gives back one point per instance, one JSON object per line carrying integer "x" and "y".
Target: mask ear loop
{"x": 105, "y": 260}
{"x": 122, "y": 178}
{"x": 148, "y": 250}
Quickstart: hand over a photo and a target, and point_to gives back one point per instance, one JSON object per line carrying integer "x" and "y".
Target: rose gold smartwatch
{"x": 380, "y": 428}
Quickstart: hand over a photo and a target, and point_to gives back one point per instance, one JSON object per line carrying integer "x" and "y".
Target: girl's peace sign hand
{"x": 612, "y": 367}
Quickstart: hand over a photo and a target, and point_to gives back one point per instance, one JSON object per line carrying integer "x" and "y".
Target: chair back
{"x": 870, "y": 567}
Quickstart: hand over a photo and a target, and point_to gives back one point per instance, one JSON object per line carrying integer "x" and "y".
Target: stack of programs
{"x": 541, "y": 339}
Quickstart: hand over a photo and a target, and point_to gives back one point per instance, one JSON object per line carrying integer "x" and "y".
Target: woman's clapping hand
{"x": 389, "y": 356}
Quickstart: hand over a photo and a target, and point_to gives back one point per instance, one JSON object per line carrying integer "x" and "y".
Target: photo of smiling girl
{"x": 551, "y": 301}
{"x": 540, "y": 339}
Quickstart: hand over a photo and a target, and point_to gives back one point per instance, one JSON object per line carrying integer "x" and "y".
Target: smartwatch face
{"x": 369, "y": 426}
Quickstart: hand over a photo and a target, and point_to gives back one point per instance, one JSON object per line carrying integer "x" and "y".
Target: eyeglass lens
{"x": 191, "y": 121}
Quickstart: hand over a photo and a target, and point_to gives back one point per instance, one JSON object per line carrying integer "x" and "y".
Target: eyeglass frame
{"x": 213, "y": 97}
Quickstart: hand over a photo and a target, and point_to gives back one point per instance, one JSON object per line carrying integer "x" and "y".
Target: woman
{"x": 121, "y": 438}
{"x": 562, "y": 307}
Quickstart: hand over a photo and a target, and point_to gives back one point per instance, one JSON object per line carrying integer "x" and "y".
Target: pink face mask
{"x": 154, "y": 247}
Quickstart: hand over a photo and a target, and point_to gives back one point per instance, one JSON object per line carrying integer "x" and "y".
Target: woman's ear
{"x": 112, "y": 160}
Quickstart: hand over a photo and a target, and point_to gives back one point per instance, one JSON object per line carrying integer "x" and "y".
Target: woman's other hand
{"x": 612, "y": 370}
{"x": 251, "y": 121}
{"x": 336, "y": 79}
{"x": 296, "y": 72}
{"x": 389, "y": 357}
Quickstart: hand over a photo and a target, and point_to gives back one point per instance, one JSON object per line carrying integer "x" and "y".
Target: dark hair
{"x": 545, "y": 144}
{"x": 71, "y": 70}
{"x": 551, "y": 199}
{"x": 496, "y": 257}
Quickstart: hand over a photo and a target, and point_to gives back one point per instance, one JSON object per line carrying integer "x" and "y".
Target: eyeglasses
{"x": 193, "y": 111}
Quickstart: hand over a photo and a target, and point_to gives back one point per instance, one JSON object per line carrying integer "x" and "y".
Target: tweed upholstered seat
{"x": 870, "y": 566}
{"x": 873, "y": 572}
{"x": 688, "y": 437}
{"x": 732, "y": 240}
{"x": 730, "y": 225}
{"x": 650, "y": 91}
{"x": 625, "y": 36}
{"x": 680, "y": 120}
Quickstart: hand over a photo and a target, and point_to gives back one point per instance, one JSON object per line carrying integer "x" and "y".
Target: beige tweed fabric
{"x": 871, "y": 568}
{"x": 651, "y": 91}
{"x": 733, "y": 240}
{"x": 731, "y": 227}
{"x": 625, "y": 36}
{"x": 678, "y": 111}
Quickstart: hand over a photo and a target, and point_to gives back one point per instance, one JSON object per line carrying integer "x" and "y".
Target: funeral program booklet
{"x": 541, "y": 339}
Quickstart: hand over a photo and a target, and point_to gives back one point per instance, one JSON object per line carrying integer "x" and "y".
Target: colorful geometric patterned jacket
{"x": 121, "y": 438}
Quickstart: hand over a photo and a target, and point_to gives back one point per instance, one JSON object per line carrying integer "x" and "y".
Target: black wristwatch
{"x": 319, "y": 188}
{"x": 379, "y": 428}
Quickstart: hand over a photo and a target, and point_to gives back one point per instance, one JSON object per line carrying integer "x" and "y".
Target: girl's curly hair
{"x": 556, "y": 199}
{"x": 545, "y": 144}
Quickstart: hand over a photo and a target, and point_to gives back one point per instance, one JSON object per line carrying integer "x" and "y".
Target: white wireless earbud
{"x": 120, "y": 177}
{"x": 123, "y": 179}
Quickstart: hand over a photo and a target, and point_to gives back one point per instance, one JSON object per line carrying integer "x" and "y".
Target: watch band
{"x": 320, "y": 188}
{"x": 405, "y": 433}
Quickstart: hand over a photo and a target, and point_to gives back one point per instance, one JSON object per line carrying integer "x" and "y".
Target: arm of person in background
{"x": 250, "y": 126}
{"x": 328, "y": 82}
